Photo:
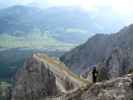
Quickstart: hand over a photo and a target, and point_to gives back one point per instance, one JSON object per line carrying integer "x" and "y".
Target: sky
{"x": 123, "y": 7}
{"x": 120, "y": 8}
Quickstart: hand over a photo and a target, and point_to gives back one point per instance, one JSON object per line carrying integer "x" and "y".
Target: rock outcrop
{"x": 115, "y": 65}
{"x": 43, "y": 77}
{"x": 99, "y": 47}
{"x": 120, "y": 88}
{"x": 34, "y": 81}
{"x": 88, "y": 54}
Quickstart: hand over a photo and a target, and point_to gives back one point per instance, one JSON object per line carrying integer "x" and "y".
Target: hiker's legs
{"x": 94, "y": 79}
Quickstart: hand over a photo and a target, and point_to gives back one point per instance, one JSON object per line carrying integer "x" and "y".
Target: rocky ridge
{"x": 43, "y": 77}
{"x": 120, "y": 88}
{"x": 98, "y": 48}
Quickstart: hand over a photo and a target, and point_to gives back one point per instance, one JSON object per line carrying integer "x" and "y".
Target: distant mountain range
{"x": 56, "y": 25}
{"x": 61, "y": 24}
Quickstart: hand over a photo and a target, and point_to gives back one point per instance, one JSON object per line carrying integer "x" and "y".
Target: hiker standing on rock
{"x": 94, "y": 74}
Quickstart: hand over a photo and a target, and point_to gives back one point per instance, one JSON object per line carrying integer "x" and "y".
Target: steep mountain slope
{"x": 87, "y": 54}
{"x": 98, "y": 48}
{"x": 42, "y": 76}
{"x": 117, "y": 64}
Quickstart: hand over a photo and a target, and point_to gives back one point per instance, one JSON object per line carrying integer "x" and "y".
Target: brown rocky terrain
{"x": 43, "y": 77}
{"x": 120, "y": 88}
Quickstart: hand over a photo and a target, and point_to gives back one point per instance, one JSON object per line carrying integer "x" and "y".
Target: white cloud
{"x": 122, "y": 8}
{"x": 119, "y": 6}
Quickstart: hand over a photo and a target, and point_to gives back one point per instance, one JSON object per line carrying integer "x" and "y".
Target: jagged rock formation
{"x": 87, "y": 73}
{"x": 116, "y": 89}
{"x": 33, "y": 81}
{"x": 99, "y": 47}
{"x": 120, "y": 88}
{"x": 115, "y": 65}
{"x": 43, "y": 77}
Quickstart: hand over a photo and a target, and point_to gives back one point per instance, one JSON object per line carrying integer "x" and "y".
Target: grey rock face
{"x": 120, "y": 88}
{"x": 115, "y": 64}
{"x": 44, "y": 77}
{"x": 99, "y": 47}
{"x": 87, "y": 54}
{"x": 34, "y": 81}
{"x": 117, "y": 89}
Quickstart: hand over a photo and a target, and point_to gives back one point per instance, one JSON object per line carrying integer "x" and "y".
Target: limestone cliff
{"x": 43, "y": 77}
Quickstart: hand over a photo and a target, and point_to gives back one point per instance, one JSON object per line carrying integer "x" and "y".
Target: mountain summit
{"x": 98, "y": 48}
{"x": 42, "y": 77}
